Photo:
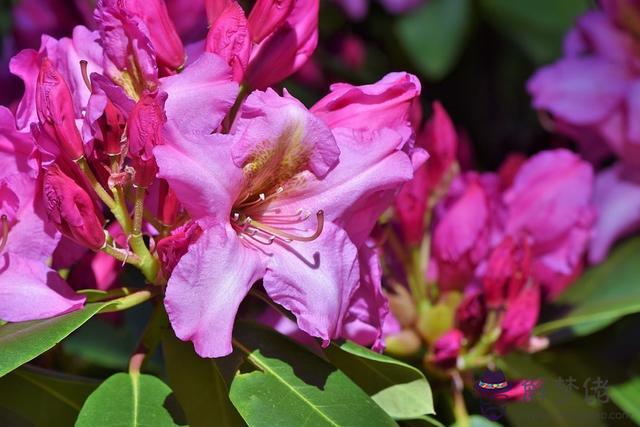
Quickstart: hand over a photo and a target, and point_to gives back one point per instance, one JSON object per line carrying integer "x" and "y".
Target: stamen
{"x": 284, "y": 235}
{"x": 5, "y": 232}
{"x": 85, "y": 75}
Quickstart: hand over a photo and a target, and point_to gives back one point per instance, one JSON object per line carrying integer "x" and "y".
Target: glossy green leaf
{"x": 198, "y": 385}
{"x": 43, "y": 398}
{"x": 21, "y": 342}
{"x": 553, "y": 405}
{"x": 128, "y": 400}
{"x": 602, "y": 295}
{"x": 627, "y": 397}
{"x": 400, "y": 389}
{"x": 537, "y": 26}
{"x": 434, "y": 35}
{"x": 294, "y": 387}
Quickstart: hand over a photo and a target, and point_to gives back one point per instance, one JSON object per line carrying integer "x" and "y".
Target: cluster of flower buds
{"x": 473, "y": 256}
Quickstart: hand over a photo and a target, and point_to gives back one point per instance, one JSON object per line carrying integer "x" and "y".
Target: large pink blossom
{"x": 29, "y": 289}
{"x": 283, "y": 198}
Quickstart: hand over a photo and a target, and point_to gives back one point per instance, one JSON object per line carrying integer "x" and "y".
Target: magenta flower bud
{"x": 446, "y": 349}
{"x": 284, "y": 51}
{"x": 145, "y": 125}
{"x": 471, "y": 314}
{"x": 72, "y": 210}
{"x": 162, "y": 32}
{"x": 266, "y": 16}
{"x": 508, "y": 269}
{"x": 168, "y": 204}
{"x": 144, "y": 131}
{"x": 54, "y": 106}
{"x": 228, "y": 37}
{"x": 112, "y": 125}
{"x": 440, "y": 139}
{"x": 519, "y": 319}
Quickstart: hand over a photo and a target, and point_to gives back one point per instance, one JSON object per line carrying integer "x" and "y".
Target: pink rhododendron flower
{"x": 28, "y": 288}
{"x": 290, "y": 202}
{"x": 592, "y": 95}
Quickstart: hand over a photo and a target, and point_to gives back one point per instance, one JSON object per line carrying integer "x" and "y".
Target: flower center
{"x": 255, "y": 221}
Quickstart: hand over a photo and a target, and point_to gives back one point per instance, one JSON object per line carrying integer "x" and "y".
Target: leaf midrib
{"x": 261, "y": 365}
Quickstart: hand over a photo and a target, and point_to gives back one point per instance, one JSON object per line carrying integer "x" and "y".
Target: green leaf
{"x": 128, "y": 400}
{"x": 43, "y": 398}
{"x": 198, "y": 385}
{"x": 553, "y": 405}
{"x": 21, "y": 342}
{"x": 601, "y": 296}
{"x": 537, "y": 26}
{"x": 435, "y": 34}
{"x": 294, "y": 387}
{"x": 400, "y": 389}
{"x": 627, "y": 397}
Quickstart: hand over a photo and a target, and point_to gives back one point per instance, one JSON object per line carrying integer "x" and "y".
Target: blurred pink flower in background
{"x": 592, "y": 96}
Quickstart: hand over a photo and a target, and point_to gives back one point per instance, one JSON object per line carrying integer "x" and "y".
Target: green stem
{"x": 459, "y": 407}
{"x": 122, "y": 255}
{"x": 126, "y": 302}
{"x": 148, "y": 263}
{"x": 97, "y": 187}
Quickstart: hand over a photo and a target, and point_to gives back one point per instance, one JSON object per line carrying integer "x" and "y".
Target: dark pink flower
{"x": 549, "y": 204}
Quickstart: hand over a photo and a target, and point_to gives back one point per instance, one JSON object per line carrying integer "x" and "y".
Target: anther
{"x": 85, "y": 75}
{"x": 5, "y": 231}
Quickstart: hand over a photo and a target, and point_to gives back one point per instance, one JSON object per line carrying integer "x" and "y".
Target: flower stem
{"x": 97, "y": 187}
{"x": 459, "y": 407}
{"x": 128, "y": 301}
{"x": 148, "y": 263}
{"x": 122, "y": 255}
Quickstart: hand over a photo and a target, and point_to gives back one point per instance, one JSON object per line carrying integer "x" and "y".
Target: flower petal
{"x": 618, "y": 205}
{"x": 201, "y": 95}
{"x": 200, "y": 171}
{"x": 315, "y": 280}
{"x": 29, "y": 290}
{"x": 579, "y": 90}
{"x": 372, "y": 167}
{"x": 207, "y": 287}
